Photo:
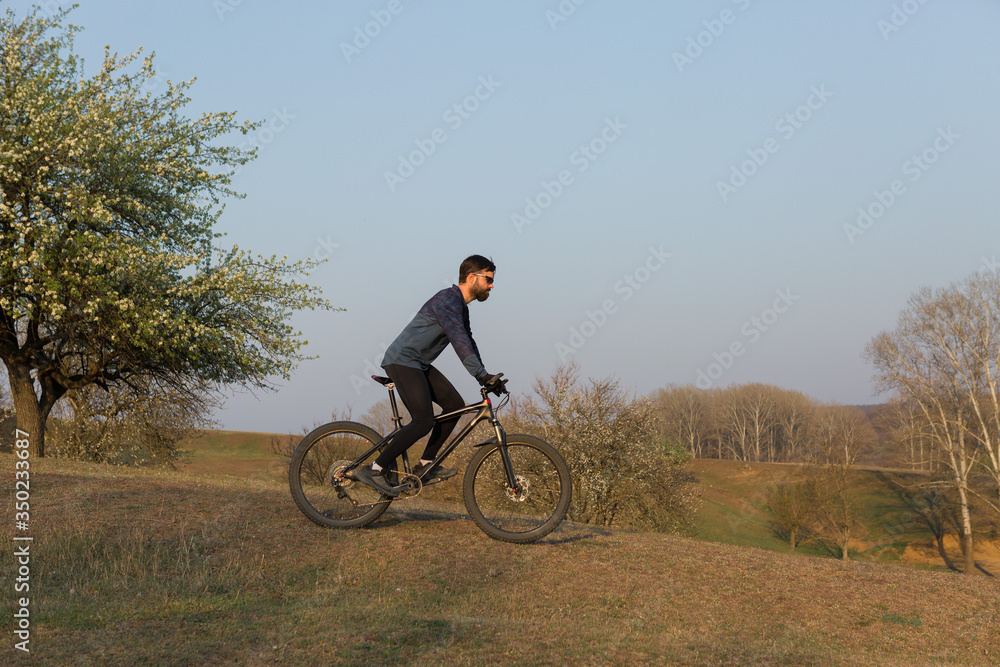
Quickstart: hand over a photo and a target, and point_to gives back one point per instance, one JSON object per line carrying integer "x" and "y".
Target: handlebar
{"x": 498, "y": 386}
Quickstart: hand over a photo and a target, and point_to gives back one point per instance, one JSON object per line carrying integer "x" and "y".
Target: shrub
{"x": 624, "y": 473}
{"x": 137, "y": 424}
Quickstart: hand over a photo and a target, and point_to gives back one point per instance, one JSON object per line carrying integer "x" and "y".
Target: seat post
{"x": 396, "y": 419}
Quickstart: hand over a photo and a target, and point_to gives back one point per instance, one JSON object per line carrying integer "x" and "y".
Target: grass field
{"x": 734, "y": 511}
{"x": 732, "y": 508}
{"x": 180, "y": 567}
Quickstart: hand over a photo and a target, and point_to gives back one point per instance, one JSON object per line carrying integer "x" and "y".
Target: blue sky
{"x": 668, "y": 188}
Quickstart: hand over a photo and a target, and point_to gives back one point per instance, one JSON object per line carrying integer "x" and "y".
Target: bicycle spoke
{"x": 318, "y": 482}
{"x": 531, "y": 502}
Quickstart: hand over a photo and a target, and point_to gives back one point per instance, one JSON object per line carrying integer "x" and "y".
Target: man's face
{"x": 482, "y": 285}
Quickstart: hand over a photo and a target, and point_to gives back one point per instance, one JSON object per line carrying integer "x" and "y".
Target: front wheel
{"x": 534, "y": 505}
{"x": 317, "y": 481}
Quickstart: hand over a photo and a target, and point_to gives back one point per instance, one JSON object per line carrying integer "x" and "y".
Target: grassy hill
{"x": 175, "y": 567}
{"x": 732, "y": 509}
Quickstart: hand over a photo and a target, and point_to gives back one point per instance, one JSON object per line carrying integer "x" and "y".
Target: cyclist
{"x": 443, "y": 319}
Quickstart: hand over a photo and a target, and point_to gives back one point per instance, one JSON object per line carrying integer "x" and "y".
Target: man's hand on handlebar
{"x": 495, "y": 384}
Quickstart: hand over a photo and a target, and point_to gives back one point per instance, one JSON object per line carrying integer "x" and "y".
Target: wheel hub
{"x": 520, "y": 493}
{"x": 335, "y": 475}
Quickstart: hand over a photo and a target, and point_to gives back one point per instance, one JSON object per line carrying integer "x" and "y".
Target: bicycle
{"x": 517, "y": 488}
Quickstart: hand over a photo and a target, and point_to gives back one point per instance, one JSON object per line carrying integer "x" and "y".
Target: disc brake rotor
{"x": 519, "y": 494}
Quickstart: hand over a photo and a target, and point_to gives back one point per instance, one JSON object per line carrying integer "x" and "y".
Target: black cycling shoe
{"x": 435, "y": 472}
{"x": 376, "y": 480}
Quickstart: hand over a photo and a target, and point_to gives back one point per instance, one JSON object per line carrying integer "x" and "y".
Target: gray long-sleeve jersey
{"x": 443, "y": 319}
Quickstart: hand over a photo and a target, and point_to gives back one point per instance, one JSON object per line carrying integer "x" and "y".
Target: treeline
{"x": 763, "y": 423}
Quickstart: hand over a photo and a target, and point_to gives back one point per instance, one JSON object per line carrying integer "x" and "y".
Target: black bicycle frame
{"x": 485, "y": 408}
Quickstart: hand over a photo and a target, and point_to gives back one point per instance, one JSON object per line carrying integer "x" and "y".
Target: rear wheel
{"x": 531, "y": 508}
{"x": 317, "y": 481}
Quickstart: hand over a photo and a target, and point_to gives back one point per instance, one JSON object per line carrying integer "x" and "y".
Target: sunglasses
{"x": 489, "y": 279}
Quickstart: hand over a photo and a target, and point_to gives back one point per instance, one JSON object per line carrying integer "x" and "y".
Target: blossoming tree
{"x": 110, "y": 271}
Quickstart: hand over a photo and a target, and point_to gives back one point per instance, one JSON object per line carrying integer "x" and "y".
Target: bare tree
{"x": 795, "y": 414}
{"x": 841, "y": 433}
{"x": 733, "y": 429}
{"x": 760, "y": 422}
{"x": 750, "y": 422}
{"x": 977, "y": 303}
{"x": 902, "y": 424}
{"x": 793, "y": 509}
{"x": 942, "y": 356}
{"x": 684, "y": 416}
{"x": 837, "y": 516}
{"x": 379, "y": 416}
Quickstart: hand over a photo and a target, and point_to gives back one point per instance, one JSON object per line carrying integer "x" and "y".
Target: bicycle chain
{"x": 342, "y": 493}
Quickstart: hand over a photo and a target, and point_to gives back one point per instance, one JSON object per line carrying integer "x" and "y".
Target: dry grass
{"x": 152, "y": 567}
{"x": 734, "y": 511}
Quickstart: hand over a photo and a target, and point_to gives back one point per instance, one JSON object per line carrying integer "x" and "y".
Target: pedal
{"x": 439, "y": 478}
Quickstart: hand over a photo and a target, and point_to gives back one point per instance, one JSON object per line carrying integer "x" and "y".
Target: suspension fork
{"x": 508, "y": 467}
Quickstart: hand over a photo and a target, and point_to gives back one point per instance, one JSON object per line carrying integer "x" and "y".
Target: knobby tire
{"x": 312, "y": 472}
{"x": 525, "y": 514}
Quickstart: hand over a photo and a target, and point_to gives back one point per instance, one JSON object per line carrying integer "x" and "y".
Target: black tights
{"x": 418, "y": 389}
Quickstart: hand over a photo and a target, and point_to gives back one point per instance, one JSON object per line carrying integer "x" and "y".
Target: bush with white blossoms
{"x": 624, "y": 473}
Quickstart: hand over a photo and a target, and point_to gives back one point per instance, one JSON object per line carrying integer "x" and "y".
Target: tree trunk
{"x": 29, "y": 416}
{"x": 967, "y": 542}
{"x": 939, "y": 539}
